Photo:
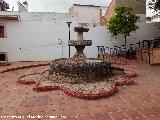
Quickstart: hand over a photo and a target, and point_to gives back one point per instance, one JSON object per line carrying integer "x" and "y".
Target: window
{"x": 2, "y": 34}
{"x": 3, "y": 57}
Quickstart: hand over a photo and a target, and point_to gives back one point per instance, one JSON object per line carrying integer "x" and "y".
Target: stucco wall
{"x": 38, "y": 40}
{"x": 34, "y": 41}
{"x": 146, "y": 31}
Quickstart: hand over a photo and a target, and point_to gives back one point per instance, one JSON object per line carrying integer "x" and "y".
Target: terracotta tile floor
{"x": 137, "y": 102}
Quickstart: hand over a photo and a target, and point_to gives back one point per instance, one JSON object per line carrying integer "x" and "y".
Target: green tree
{"x": 123, "y": 22}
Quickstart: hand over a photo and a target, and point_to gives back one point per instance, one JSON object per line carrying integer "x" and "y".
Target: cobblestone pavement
{"x": 137, "y": 102}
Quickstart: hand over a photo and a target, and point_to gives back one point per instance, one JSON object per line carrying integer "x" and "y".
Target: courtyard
{"x": 120, "y": 81}
{"x": 140, "y": 101}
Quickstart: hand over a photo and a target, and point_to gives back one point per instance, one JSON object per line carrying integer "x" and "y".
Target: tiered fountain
{"x": 80, "y": 44}
{"x": 79, "y": 67}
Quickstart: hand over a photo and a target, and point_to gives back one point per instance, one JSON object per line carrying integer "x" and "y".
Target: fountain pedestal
{"x": 79, "y": 55}
{"x": 80, "y": 44}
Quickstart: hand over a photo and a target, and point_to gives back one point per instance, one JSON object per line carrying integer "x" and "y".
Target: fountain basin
{"x": 81, "y": 29}
{"x": 93, "y": 60}
{"x": 80, "y": 43}
{"x": 88, "y": 71}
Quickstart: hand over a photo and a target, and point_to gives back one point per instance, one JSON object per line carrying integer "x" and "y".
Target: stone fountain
{"x": 80, "y": 44}
{"x": 78, "y": 77}
{"x": 79, "y": 67}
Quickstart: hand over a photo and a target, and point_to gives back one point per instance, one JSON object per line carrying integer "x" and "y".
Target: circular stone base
{"x": 89, "y": 91}
{"x": 82, "y": 71}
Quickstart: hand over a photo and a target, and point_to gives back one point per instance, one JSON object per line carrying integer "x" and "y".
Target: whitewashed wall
{"x": 37, "y": 39}
{"x": 146, "y": 31}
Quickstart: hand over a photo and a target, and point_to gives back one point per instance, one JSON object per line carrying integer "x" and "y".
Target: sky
{"x": 55, "y": 5}
{"x": 61, "y": 6}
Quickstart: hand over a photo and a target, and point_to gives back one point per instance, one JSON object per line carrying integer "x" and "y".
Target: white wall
{"x": 38, "y": 39}
{"x": 146, "y": 31}
{"x": 49, "y": 17}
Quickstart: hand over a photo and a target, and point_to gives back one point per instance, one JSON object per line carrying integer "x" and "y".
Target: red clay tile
{"x": 70, "y": 118}
{"x": 96, "y": 109}
{"x": 86, "y": 117}
{"x": 24, "y": 110}
{"x": 83, "y": 111}
{"x": 140, "y": 118}
{"x": 125, "y": 106}
{"x": 39, "y": 110}
{"x": 18, "y": 97}
{"x": 111, "y": 108}
{"x": 156, "y": 109}
{"x": 133, "y": 113}
{"x": 28, "y": 101}
{"x": 69, "y": 112}
{"x": 156, "y": 117}
{"x": 147, "y": 112}
{"x": 100, "y": 116}
{"x": 9, "y": 111}
{"x": 118, "y": 115}
{"x": 42, "y": 100}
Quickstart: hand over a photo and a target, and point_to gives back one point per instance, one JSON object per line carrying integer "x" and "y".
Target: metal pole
{"x": 62, "y": 48}
{"x": 69, "y": 26}
{"x": 69, "y": 40}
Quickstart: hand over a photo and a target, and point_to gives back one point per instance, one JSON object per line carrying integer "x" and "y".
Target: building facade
{"x": 139, "y": 7}
{"x": 43, "y": 36}
{"x": 87, "y": 14}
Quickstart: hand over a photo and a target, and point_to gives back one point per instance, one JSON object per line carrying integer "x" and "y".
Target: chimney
{"x": 25, "y": 4}
{"x": 22, "y": 7}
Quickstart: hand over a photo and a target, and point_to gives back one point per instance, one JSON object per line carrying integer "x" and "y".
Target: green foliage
{"x": 123, "y": 22}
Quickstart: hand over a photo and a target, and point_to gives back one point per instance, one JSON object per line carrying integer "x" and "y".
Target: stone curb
{"x": 23, "y": 67}
{"x": 93, "y": 96}
{"x": 71, "y": 93}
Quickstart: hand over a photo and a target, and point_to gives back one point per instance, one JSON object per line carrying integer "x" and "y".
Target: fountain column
{"x": 80, "y": 44}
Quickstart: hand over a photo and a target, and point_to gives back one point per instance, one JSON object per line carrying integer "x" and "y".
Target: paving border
{"x": 71, "y": 93}
{"x": 106, "y": 93}
{"x": 23, "y": 67}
